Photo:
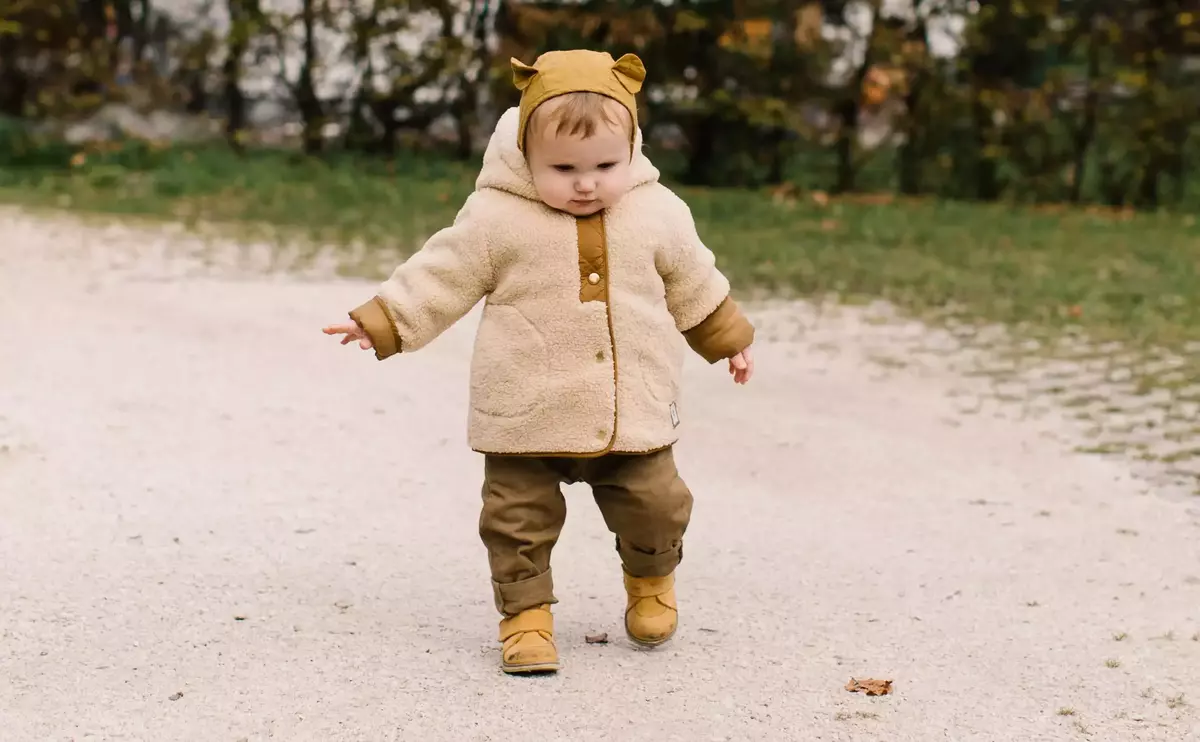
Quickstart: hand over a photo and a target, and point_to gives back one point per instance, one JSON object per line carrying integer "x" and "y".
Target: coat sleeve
{"x": 433, "y": 288}
{"x": 697, "y": 293}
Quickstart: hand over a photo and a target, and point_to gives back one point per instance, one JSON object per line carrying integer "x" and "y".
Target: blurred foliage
{"x": 1045, "y": 101}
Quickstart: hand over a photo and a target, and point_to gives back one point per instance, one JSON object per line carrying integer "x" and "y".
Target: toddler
{"x": 591, "y": 270}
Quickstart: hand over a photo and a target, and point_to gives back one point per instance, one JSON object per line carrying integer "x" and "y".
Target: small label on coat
{"x": 674, "y": 416}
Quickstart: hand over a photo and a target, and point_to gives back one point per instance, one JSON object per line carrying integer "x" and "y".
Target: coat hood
{"x": 504, "y": 166}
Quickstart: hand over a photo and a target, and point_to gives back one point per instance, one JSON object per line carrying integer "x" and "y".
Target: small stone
{"x": 600, "y": 638}
{"x": 175, "y": 696}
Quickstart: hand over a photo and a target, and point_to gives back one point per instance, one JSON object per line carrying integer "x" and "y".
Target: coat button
{"x": 594, "y": 278}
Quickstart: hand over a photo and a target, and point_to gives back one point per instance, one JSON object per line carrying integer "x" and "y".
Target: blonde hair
{"x": 580, "y": 114}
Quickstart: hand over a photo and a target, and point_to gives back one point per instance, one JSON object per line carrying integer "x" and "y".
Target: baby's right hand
{"x": 352, "y": 332}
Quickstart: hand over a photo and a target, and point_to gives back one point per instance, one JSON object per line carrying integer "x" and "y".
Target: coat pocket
{"x": 657, "y": 375}
{"x": 509, "y": 363}
{"x": 659, "y": 359}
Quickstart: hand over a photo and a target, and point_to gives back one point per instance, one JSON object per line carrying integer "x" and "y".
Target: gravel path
{"x": 218, "y": 524}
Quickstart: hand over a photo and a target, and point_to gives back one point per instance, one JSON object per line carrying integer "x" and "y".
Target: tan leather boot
{"x": 651, "y": 614}
{"x": 529, "y": 642}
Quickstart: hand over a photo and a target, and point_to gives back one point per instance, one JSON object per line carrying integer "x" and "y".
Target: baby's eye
{"x": 564, "y": 168}
{"x": 607, "y": 165}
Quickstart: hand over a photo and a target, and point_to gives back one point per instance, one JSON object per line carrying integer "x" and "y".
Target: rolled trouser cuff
{"x": 513, "y": 597}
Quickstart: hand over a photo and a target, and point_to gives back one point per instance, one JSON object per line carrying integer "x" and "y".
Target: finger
{"x": 347, "y": 339}
{"x": 336, "y": 329}
{"x": 738, "y": 362}
{"x": 365, "y": 343}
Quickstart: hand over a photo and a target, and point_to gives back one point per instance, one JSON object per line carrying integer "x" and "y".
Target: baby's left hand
{"x": 742, "y": 366}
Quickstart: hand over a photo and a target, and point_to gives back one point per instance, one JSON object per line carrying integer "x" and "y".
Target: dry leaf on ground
{"x": 597, "y": 638}
{"x": 870, "y": 687}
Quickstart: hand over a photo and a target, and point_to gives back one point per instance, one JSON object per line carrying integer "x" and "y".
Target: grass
{"x": 1130, "y": 278}
{"x": 1127, "y": 284}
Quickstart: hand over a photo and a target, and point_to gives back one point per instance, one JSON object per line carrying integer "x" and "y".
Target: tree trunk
{"x": 702, "y": 138}
{"x": 1086, "y": 133}
{"x": 776, "y": 144}
{"x": 235, "y": 101}
{"x": 987, "y": 178}
{"x": 1159, "y": 36}
{"x": 848, "y": 108}
{"x": 142, "y": 34}
{"x": 847, "y": 113}
{"x": 909, "y": 159}
{"x": 306, "y": 94}
{"x": 472, "y": 118}
{"x": 14, "y": 82}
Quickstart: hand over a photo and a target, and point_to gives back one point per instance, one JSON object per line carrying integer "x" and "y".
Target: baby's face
{"x": 576, "y": 175}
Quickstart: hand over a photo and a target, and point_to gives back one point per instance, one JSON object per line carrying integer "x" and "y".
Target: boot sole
{"x": 544, "y": 667}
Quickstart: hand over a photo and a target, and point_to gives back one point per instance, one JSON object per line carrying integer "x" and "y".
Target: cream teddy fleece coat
{"x": 579, "y": 349}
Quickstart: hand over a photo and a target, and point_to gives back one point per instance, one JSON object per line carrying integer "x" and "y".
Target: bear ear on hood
{"x": 523, "y": 74}
{"x": 630, "y": 72}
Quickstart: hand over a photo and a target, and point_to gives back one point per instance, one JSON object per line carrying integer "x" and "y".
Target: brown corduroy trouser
{"x": 642, "y": 498}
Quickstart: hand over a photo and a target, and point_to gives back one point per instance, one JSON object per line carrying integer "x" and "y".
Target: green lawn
{"x": 1131, "y": 279}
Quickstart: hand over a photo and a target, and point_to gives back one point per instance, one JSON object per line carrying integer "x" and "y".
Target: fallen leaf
{"x": 870, "y": 687}
{"x": 175, "y": 696}
{"x": 596, "y": 638}
{"x": 784, "y": 193}
{"x": 239, "y": 618}
{"x": 828, "y": 225}
{"x": 820, "y": 198}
